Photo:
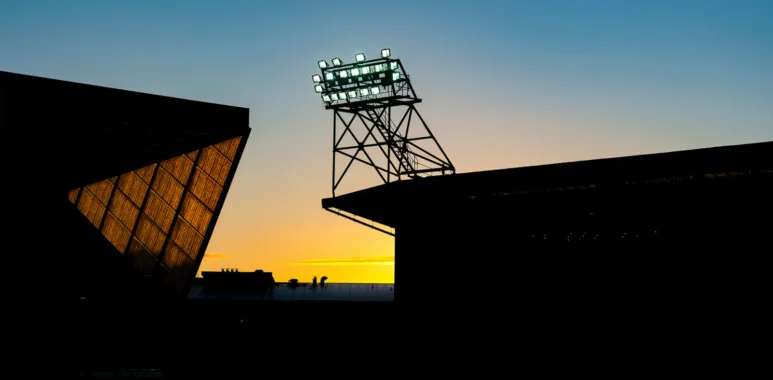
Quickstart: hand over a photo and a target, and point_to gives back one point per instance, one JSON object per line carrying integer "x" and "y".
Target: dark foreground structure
{"x": 660, "y": 228}
{"x": 118, "y": 191}
{"x": 112, "y": 198}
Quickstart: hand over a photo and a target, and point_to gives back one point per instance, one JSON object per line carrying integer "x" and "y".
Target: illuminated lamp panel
{"x": 168, "y": 187}
{"x": 73, "y": 195}
{"x": 179, "y": 167}
{"x": 229, "y": 147}
{"x": 124, "y": 210}
{"x": 133, "y": 186}
{"x": 116, "y": 233}
{"x": 159, "y": 211}
{"x": 90, "y": 206}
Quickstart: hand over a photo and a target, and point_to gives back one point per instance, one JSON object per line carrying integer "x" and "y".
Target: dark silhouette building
{"x": 656, "y": 226}
{"x": 116, "y": 192}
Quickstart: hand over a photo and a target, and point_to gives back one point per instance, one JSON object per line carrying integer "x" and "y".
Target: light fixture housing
{"x": 364, "y": 92}
{"x": 359, "y": 57}
{"x": 352, "y": 94}
{"x": 337, "y": 61}
{"x": 333, "y": 96}
{"x": 365, "y": 70}
{"x": 344, "y": 73}
{"x": 395, "y": 76}
{"x": 374, "y": 90}
{"x": 386, "y": 53}
{"x": 318, "y": 88}
{"x": 326, "y": 98}
{"x": 355, "y": 72}
{"x": 316, "y": 78}
{"x": 342, "y": 95}
{"x": 322, "y": 64}
{"x": 393, "y": 65}
{"x": 330, "y": 76}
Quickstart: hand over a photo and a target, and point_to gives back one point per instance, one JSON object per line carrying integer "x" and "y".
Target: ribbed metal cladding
{"x": 158, "y": 215}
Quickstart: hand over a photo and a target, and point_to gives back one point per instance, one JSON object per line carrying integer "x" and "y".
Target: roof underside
{"x": 389, "y": 203}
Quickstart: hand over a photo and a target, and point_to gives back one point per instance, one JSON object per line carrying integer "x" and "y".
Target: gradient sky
{"x": 504, "y": 83}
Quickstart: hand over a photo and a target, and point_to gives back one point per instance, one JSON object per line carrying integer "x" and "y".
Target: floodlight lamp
{"x": 395, "y": 76}
{"x": 330, "y": 76}
{"x": 386, "y": 53}
{"x": 352, "y": 94}
{"x": 334, "y": 96}
{"x": 344, "y": 73}
{"x": 365, "y": 70}
{"x": 379, "y": 68}
{"x": 374, "y": 90}
{"x": 322, "y": 64}
{"x": 393, "y": 65}
{"x": 337, "y": 61}
{"x": 364, "y": 92}
{"x": 342, "y": 95}
{"x": 326, "y": 98}
{"x": 355, "y": 71}
{"x": 316, "y": 78}
{"x": 359, "y": 57}
{"x": 318, "y": 88}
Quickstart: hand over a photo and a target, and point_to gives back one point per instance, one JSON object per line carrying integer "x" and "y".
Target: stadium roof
{"x": 387, "y": 204}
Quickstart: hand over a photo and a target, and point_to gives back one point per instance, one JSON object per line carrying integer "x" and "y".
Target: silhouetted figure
{"x": 322, "y": 281}
{"x": 314, "y": 282}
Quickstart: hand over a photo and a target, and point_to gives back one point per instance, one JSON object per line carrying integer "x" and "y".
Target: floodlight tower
{"x": 367, "y": 93}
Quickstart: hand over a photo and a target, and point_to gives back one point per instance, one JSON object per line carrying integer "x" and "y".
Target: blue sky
{"x": 505, "y": 83}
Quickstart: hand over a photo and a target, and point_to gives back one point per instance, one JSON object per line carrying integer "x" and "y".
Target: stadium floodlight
{"x": 373, "y": 91}
{"x": 322, "y": 64}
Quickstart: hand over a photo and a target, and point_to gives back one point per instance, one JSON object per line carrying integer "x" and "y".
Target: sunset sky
{"x": 504, "y": 83}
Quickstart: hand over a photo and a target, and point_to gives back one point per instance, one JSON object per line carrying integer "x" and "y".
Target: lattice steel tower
{"x": 365, "y": 96}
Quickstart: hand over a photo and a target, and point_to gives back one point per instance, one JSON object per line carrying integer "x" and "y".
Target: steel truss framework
{"x": 400, "y": 142}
